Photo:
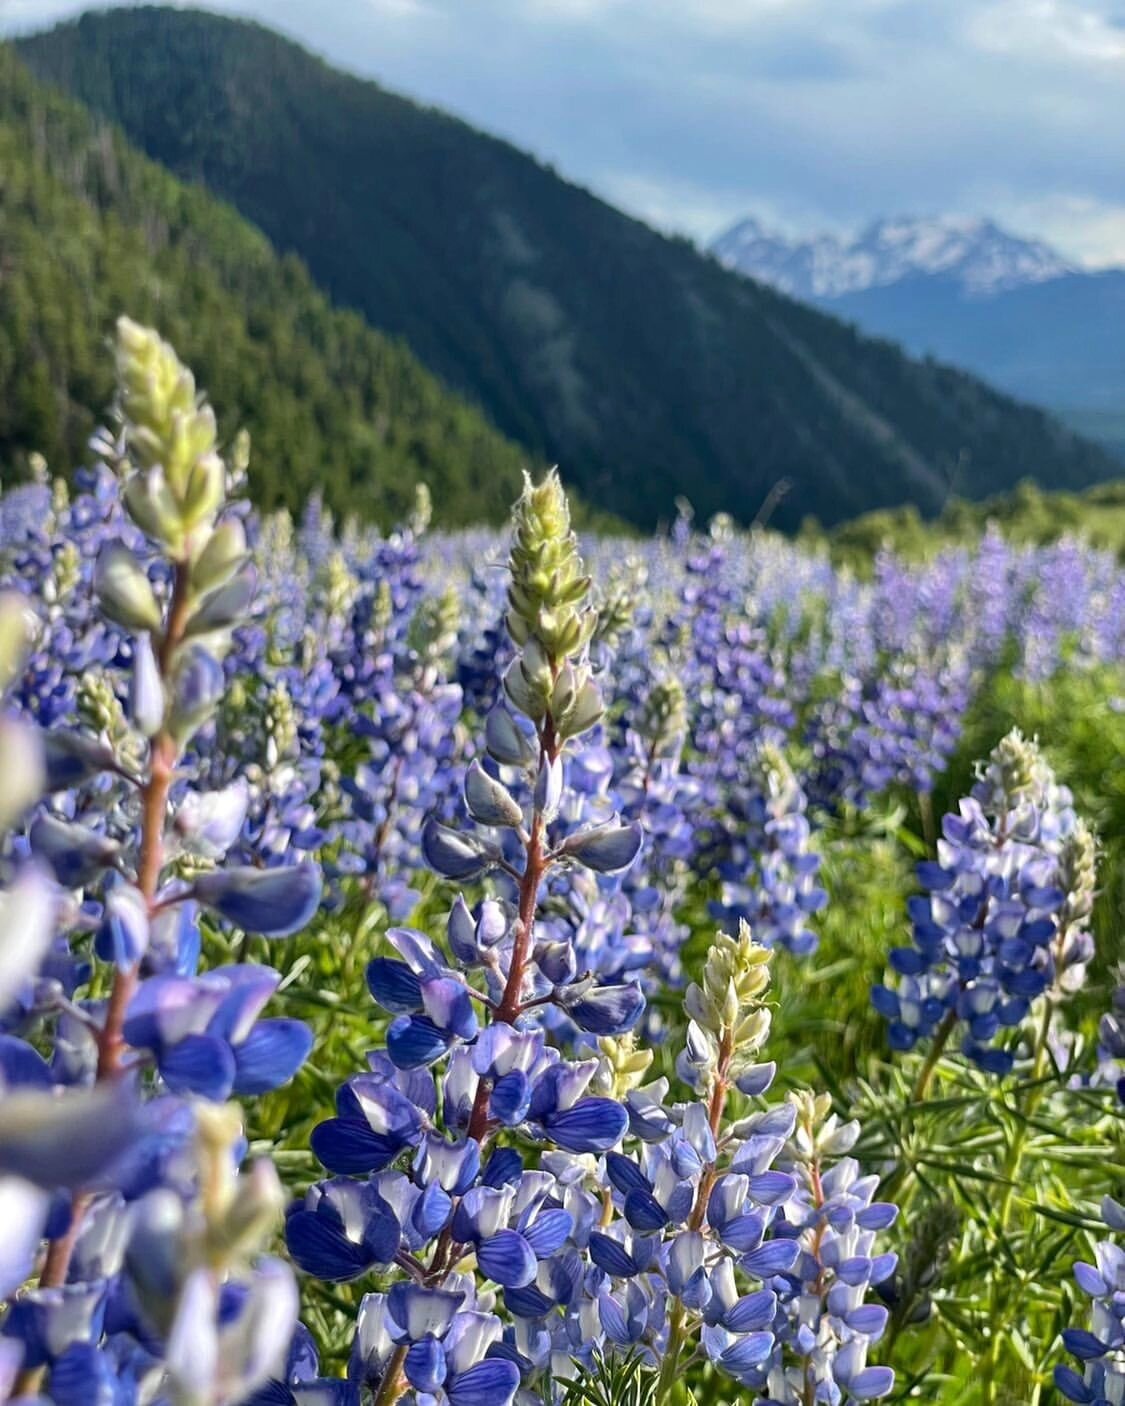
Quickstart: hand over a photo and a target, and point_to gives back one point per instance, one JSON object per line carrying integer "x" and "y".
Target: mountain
{"x": 642, "y": 366}
{"x": 974, "y": 256}
{"x": 964, "y": 290}
{"x": 90, "y": 228}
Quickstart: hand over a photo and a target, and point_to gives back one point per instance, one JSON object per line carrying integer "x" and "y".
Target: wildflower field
{"x": 465, "y": 969}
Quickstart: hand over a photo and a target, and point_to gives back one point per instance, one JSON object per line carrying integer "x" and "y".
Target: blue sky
{"x": 812, "y": 114}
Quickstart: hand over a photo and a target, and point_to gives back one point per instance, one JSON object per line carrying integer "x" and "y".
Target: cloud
{"x": 812, "y": 113}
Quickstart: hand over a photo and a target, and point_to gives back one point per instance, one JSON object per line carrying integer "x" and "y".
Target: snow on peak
{"x": 974, "y": 253}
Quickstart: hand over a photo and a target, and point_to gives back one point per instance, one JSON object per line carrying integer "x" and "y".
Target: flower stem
{"x": 997, "y": 1315}
{"x": 677, "y": 1321}
{"x": 154, "y": 805}
{"x": 393, "y": 1383}
{"x": 937, "y": 1049}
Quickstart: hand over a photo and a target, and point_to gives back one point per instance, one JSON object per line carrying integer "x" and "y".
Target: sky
{"x": 813, "y": 115}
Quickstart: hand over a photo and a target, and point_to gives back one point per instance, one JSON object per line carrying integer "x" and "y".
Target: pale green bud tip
{"x": 433, "y": 628}
{"x": 1018, "y": 765}
{"x": 18, "y": 629}
{"x": 152, "y": 381}
{"x": 542, "y": 510}
{"x": 548, "y": 588}
{"x": 665, "y": 715}
{"x": 423, "y": 511}
{"x": 1078, "y": 866}
{"x": 171, "y": 436}
{"x": 623, "y": 1065}
{"x": 735, "y": 981}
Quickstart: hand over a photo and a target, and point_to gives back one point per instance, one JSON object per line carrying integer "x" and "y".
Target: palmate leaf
{"x": 616, "y": 1380}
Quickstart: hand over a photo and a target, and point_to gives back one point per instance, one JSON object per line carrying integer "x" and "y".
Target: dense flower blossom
{"x": 204, "y": 710}
{"x": 1004, "y": 921}
{"x": 770, "y": 872}
{"x": 630, "y": 1200}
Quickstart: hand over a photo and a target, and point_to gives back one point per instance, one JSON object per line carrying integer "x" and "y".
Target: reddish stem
{"x": 154, "y": 804}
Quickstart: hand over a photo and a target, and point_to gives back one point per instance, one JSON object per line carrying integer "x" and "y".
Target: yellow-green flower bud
{"x": 548, "y": 584}
{"x": 433, "y": 627}
{"x": 1078, "y": 871}
{"x": 222, "y": 555}
{"x": 1017, "y": 767}
{"x": 179, "y": 481}
{"x": 124, "y": 591}
{"x": 423, "y": 510}
{"x": 18, "y": 629}
{"x": 727, "y": 1007}
{"x": 663, "y": 721}
{"x": 66, "y": 574}
{"x": 337, "y": 585}
{"x": 622, "y": 1067}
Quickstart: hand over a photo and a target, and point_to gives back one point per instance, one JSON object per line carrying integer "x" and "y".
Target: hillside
{"x": 1025, "y": 515}
{"x": 90, "y": 228}
{"x": 1059, "y": 342}
{"x": 1010, "y": 309}
{"x": 644, "y": 367}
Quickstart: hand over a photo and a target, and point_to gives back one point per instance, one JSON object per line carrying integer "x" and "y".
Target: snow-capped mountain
{"x": 976, "y": 255}
{"x": 970, "y": 293}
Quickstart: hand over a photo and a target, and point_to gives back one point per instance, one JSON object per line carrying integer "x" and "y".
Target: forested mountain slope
{"x": 90, "y": 228}
{"x": 640, "y": 364}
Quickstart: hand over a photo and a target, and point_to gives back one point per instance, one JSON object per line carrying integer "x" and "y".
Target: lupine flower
{"x": 1100, "y": 1348}
{"x": 150, "y": 1284}
{"x": 1003, "y": 924}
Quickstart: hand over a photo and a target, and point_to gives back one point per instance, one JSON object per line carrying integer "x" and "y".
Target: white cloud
{"x": 812, "y": 113}
{"x": 1051, "y": 30}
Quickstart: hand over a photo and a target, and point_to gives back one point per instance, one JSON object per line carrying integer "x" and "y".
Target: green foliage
{"x": 616, "y": 1381}
{"x": 89, "y": 227}
{"x": 1026, "y": 515}
{"x": 644, "y": 366}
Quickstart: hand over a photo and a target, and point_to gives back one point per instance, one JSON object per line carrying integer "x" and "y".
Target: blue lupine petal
{"x": 643, "y": 1211}
{"x": 395, "y": 987}
{"x": 549, "y": 1231}
{"x": 624, "y": 1174}
{"x": 347, "y": 1146}
{"x": 528, "y": 1302}
{"x": 751, "y": 1312}
{"x": 510, "y": 1098}
{"x": 199, "y": 1064}
{"x": 607, "y": 848}
{"x": 270, "y": 902}
{"x": 270, "y": 1055}
{"x": 872, "y": 1383}
{"x": 1081, "y": 1343}
{"x": 323, "y": 1250}
{"x": 414, "y": 1041}
{"x": 425, "y": 1365}
{"x": 607, "y": 1010}
{"x": 774, "y": 1257}
{"x": 493, "y": 1382}
{"x": 611, "y": 1256}
{"x": 592, "y": 1125}
{"x": 1073, "y": 1387}
{"x": 507, "y": 1258}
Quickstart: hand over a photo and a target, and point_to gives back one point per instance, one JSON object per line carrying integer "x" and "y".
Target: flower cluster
{"x": 150, "y": 1283}
{"x": 1100, "y": 1349}
{"x": 639, "y": 1223}
{"x": 1003, "y": 923}
{"x": 770, "y": 872}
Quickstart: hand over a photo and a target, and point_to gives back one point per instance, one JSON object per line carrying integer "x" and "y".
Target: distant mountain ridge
{"x": 1010, "y": 309}
{"x": 974, "y": 254}
{"x": 640, "y": 365}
